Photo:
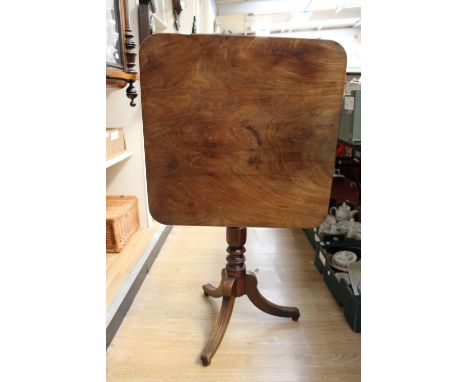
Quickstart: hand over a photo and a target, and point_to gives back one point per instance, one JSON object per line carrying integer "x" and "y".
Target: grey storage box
{"x": 350, "y": 125}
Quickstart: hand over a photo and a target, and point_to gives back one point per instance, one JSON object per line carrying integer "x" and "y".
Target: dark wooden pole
{"x": 130, "y": 44}
{"x": 235, "y": 267}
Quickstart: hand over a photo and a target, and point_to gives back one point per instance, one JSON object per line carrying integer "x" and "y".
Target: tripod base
{"x": 236, "y": 282}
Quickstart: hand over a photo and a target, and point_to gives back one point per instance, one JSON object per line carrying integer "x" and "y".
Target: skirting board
{"x": 119, "y": 307}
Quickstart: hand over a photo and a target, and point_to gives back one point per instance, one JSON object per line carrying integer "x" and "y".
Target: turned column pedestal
{"x": 236, "y": 281}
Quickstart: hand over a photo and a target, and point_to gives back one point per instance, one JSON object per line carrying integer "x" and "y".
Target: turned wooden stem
{"x": 132, "y": 92}
{"x": 130, "y": 56}
{"x": 130, "y": 44}
{"x": 235, "y": 266}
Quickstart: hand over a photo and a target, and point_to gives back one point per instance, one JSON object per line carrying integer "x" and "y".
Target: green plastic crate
{"x": 345, "y": 297}
{"x": 343, "y": 294}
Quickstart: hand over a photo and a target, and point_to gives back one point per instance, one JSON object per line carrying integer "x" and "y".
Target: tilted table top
{"x": 240, "y": 131}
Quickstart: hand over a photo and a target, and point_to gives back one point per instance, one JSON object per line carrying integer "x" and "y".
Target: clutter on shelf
{"x": 337, "y": 243}
{"x": 341, "y": 223}
{"x": 115, "y": 142}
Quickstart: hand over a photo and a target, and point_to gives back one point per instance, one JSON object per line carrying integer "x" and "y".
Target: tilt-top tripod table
{"x": 240, "y": 132}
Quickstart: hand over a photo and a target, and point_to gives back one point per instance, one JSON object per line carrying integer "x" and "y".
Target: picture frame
{"x": 115, "y": 57}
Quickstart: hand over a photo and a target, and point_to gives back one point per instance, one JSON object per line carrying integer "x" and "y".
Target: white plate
{"x": 340, "y": 260}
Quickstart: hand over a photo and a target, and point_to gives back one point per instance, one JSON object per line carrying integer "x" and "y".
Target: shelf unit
{"x": 118, "y": 79}
{"x": 118, "y": 158}
{"x": 119, "y": 75}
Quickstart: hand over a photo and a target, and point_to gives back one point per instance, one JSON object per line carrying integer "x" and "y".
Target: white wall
{"x": 207, "y": 17}
{"x": 186, "y": 17}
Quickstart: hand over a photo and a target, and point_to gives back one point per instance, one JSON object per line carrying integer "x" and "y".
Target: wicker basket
{"x": 122, "y": 221}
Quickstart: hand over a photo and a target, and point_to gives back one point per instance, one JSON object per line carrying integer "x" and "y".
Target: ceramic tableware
{"x": 329, "y": 220}
{"x": 343, "y": 212}
{"x": 354, "y": 230}
{"x": 331, "y": 230}
{"x": 341, "y": 259}
{"x": 343, "y": 225}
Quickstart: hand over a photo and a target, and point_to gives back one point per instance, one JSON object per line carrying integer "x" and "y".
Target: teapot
{"x": 354, "y": 231}
{"x": 343, "y": 212}
{"x": 329, "y": 220}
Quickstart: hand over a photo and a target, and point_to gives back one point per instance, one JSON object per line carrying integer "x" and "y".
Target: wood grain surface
{"x": 240, "y": 131}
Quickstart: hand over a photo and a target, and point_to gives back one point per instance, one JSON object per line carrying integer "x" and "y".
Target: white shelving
{"x": 118, "y": 158}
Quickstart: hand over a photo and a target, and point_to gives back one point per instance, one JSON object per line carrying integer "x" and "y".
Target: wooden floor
{"x": 119, "y": 265}
{"x": 170, "y": 320}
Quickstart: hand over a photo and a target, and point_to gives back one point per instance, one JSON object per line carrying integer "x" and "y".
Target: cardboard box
{"x": 115, "y": 142}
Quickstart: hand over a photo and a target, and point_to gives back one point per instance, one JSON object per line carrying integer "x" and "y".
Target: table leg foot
{"x": 221, "y": 325}
{"x": 263, "y": 304}
{"x": 211, "y": 291}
